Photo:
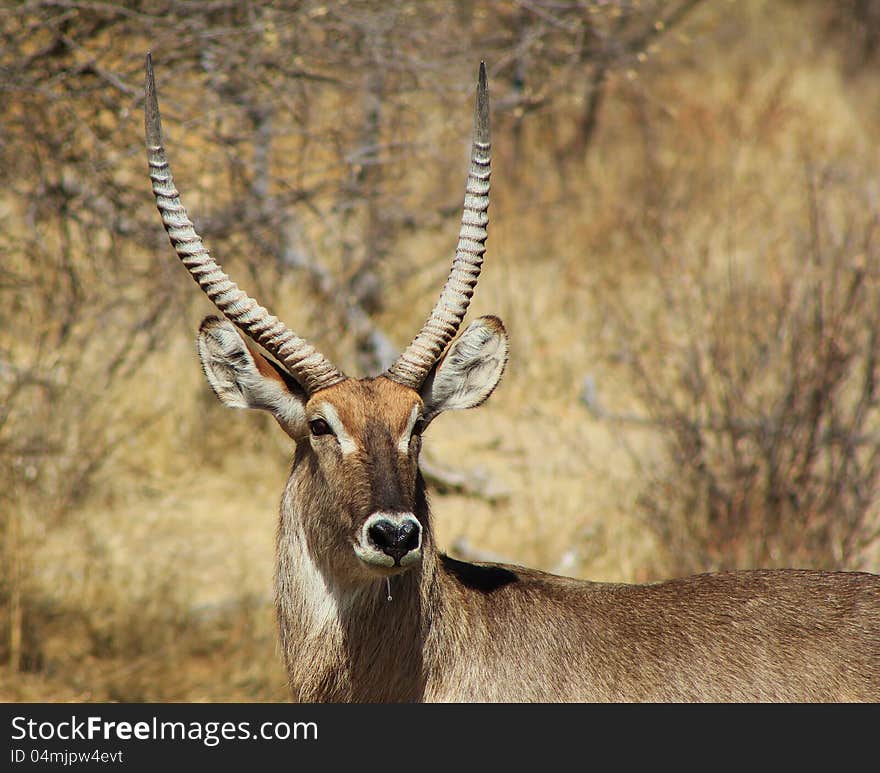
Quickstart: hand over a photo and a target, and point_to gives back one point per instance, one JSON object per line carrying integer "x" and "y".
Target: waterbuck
{"x": 355, "y": 529}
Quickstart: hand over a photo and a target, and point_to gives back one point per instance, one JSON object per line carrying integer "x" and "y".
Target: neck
{"x": 350, "y": 643}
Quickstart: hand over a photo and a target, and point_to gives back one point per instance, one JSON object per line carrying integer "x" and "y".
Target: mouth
{"x": 385, "y": 564}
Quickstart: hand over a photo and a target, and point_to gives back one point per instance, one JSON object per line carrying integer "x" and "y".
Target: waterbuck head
{"x": 355, "y": 477}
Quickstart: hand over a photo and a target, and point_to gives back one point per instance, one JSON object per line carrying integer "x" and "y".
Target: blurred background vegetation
{"x": 683, "y": 244}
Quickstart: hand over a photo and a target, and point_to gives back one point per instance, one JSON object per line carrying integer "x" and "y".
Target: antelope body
{"x": 370, "y": 610}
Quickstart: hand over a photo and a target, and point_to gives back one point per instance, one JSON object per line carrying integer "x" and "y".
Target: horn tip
{"x": 148, "y": 70}
{"x": 481, "y": 117}
{"x": 152, "y": 120}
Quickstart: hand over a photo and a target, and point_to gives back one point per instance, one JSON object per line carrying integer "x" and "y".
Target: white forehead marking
{"x": 403, "y": 443}
{"x": 346, "y": 442}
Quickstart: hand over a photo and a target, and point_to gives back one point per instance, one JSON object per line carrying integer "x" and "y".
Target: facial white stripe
{"x": 346, "y": 443}
{"x": 403, "y": 443}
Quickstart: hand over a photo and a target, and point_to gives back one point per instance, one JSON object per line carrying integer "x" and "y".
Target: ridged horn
{"x": 413, "y": 365}
{"x": 305, "y": 363}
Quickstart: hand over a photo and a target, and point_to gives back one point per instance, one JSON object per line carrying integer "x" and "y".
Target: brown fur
{"x": 356, "y": 401}
{"x": 464, "y": 632}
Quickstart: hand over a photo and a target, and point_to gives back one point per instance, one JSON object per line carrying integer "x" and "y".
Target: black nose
{"x": 395, "y": 539}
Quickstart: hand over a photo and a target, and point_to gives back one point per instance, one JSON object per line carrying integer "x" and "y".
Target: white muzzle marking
{"x": 370, "y": 553}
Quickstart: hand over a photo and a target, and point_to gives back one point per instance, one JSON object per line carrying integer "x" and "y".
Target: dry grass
{"x": 157, "y": 586}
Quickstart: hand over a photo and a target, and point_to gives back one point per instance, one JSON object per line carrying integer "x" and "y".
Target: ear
{"x": 244, "y": 378}
{"x": 471, "y": 369}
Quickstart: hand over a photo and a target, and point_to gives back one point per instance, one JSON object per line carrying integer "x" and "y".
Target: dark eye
{"x": 418, "y": 427}
{"x": 319, "y": 427}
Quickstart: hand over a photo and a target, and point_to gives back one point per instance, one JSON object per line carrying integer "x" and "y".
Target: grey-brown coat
{"x": 370, "y": 610}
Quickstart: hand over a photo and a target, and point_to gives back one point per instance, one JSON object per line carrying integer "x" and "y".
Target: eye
{"x": 319, "y": 427}
{"x": 418, "y": 427}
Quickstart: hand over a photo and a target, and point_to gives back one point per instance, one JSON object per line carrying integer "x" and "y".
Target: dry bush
{"x": 306, "y": 136}
{"x": 123, "y": 484}
{"x": 761, "y": 374}
{"x": 853, "y": 28}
